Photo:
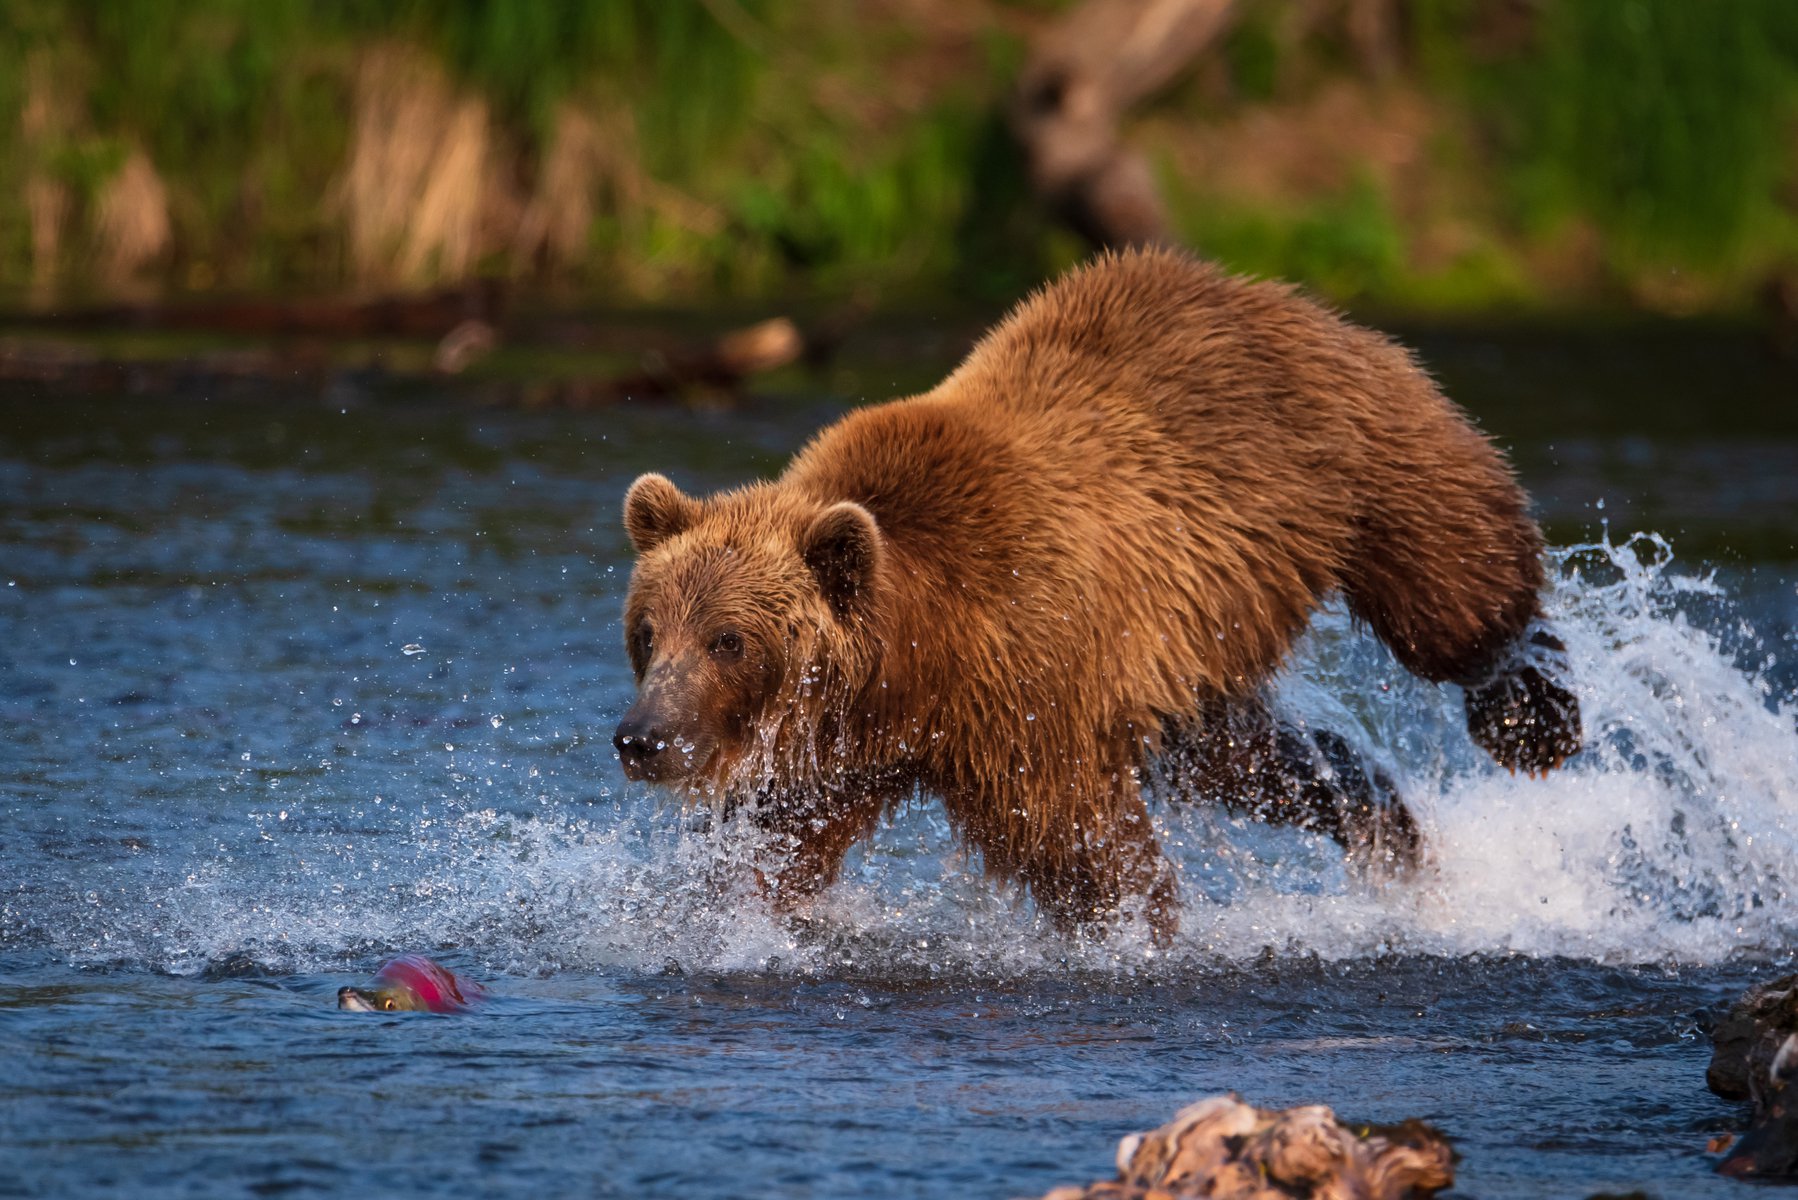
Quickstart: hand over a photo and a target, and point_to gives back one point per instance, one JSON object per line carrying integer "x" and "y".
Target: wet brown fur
{"x": 1117, "y": 513}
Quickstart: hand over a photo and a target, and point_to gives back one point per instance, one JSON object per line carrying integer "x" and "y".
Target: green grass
{"x": 1667, "y": 122}
{"x": 1668, "y": 128}
{"x": 1348, "y": 246}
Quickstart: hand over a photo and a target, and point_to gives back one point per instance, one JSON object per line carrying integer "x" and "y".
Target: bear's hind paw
{"x": 1525, "y": 719}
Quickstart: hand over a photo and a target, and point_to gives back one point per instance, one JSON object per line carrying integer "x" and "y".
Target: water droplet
{"x": 496, "y": 722}
{"x": 661, "y": 745}
{"x": 449, "y": 745}
{"x": 337, "y": 703}
{"x": 412, "y": 649}
{"x": 1030, "y": 716}
{"x": 355, "y": 718}
{"x": 71, "y": 662}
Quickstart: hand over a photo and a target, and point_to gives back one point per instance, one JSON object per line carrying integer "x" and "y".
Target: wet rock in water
{"x": 1769, "y": 1150}
{"x": 1224, "y": 1149}
{"x": 1745, "y": 1041}
{"x": 1754, "y": 1057}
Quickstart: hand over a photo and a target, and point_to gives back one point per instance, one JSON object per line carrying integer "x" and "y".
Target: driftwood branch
{"x": 1083, "y": 74}
{"x": 1223, "y": 1149}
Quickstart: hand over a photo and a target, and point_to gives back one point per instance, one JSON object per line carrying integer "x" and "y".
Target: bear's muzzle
{"x": 643, "y": 746}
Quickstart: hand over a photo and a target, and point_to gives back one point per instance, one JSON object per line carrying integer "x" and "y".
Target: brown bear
{"x": 1088, "y": 548}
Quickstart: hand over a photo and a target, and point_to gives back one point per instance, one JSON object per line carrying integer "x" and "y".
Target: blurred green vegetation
{"x": 1622, "y": 153}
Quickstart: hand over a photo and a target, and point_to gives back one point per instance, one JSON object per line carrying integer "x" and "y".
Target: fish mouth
{"x": 351, "y": 999}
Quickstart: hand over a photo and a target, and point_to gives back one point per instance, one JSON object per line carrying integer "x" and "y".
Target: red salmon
{"x": 413, "y": 983}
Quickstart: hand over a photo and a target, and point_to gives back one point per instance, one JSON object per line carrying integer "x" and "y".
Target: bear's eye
{"x": 728, "y": 646}
{"x": 642, "y": 646}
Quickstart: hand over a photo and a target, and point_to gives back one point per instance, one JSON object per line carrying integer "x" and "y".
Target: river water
{"x": 288, "y": 685}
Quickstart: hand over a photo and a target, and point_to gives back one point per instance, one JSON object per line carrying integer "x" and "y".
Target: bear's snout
{"x": 642, "y": 745}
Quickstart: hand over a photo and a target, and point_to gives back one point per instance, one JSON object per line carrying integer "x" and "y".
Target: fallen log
{"x": 712, "y": 372}
{"x": 712, "y": 369}
{"x": 425, "y": 314}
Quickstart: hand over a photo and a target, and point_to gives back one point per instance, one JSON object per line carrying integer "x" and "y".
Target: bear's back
{"x": 1186, "y": 345}
{"x": 1152, "y": 466}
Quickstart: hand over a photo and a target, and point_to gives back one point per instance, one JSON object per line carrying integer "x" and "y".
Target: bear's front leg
{"x": 1087, "y": 876}
{"x": 813, "y": 834}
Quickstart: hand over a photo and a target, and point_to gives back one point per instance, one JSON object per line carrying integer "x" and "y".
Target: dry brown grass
{"x": 430, "y": 190}
{"x": 594, "y": 167}
{"x": 131, "y": 221}
{"x": 131, "y": 225}
{"x": 590, "y": 165}
{"x": 44, "y": 118}
{"x": 47, "y": 202}
{"x": 1290, "y": 153}
{"x": 443, "y": 235}
{"x": 421, "y": 175}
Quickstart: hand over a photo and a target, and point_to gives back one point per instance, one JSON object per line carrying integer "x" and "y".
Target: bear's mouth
{"x": 677, "y": 761}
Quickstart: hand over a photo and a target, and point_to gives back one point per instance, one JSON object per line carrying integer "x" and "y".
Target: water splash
{"x": 1671, "y": 837}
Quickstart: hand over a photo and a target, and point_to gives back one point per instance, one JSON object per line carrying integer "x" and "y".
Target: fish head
{"x": 391, "y": 998}
{"x": 412, "y": 983}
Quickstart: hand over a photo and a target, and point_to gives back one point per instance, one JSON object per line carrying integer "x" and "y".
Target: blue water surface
{"x": 291, "y": 685}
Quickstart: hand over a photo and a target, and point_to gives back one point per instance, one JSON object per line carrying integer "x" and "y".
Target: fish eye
{"x": 728, "y": 646}
{"x": 388, "y": 1004}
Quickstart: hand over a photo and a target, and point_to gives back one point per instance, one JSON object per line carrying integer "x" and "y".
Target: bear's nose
{"x": 638, "y": 742}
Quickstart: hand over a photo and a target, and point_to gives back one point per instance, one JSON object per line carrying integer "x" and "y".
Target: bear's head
{"x": 750, "y": 619}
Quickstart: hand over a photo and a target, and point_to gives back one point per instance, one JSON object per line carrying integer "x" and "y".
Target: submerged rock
{"x": 1224, "y": 1149}
{"x": 1754, "y": 1057}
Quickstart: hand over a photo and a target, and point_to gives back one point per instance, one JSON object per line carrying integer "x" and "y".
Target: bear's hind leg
{"x": 1371, "y": 821}
{"x": 1240, "y": 757}
{"x": 1453, "y": 586}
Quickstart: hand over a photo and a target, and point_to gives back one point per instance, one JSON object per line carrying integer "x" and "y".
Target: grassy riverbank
{"x": 1466, "y": 155}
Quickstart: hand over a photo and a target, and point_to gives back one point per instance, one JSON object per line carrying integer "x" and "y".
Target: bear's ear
{"x": 655, "y": 510}
{"x": 842, "y": 548}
